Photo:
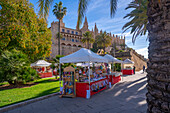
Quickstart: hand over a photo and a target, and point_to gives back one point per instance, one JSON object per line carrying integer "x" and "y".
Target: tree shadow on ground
{"x": 47, "y": 81}
{"x": 49, "y": 91}
{"x": 127, "y": 93}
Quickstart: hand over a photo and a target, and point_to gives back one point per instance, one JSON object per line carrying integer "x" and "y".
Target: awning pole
{"x": 89, "y": 78}
{"x": 60, "y": 75}
{"x": 112, "y": 67}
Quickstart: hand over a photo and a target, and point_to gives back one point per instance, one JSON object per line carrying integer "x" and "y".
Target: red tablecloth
{"x": 113, "y": 79}
{"x": 127, "y": 72}
{"x": 55, "y": 73}
{"x": 81, "y": 88}
{"x": 47, "y": 74}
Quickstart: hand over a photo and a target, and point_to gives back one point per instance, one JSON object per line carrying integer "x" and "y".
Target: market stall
{"x": 127, "y": 67}
{"x": 89, "y": 83}
{"x": 43, "y": 68}
{"x": 112, "y": 76}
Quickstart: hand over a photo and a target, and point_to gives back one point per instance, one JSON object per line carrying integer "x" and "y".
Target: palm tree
{"x": 158, "y": 95}
{"x": 103, "y": 40}
{"x": 59, "y": 11}
{"x": 87, "y": 38}
{"x": 139, "y": 19}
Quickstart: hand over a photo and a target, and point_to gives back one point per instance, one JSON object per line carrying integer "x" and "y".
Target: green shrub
{"x": 15, "y": 67}
{"x": 29, "y": 74}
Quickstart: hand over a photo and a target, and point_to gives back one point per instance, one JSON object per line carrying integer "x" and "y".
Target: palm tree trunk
{"x": 104, "y": 48}
{"x": 88, "y": 45}
{"x": 59, "y": 38}
{"x": 158, "y": 95}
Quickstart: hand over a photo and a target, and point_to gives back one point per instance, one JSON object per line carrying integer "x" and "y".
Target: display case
{"x": 69, "y": 85}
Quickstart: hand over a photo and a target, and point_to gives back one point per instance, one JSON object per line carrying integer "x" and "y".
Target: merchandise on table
{"x": 69, "y": 82}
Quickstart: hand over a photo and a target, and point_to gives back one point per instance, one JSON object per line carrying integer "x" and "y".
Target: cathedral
{"x": 71, "y": 38}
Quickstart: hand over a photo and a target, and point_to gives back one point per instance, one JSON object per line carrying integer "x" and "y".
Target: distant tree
{"x": 15, "y": 67}
{"x": 103, "y": 40}
{"x": 95, "y": 48}
{"x": 121, "y": 51}
{"x": 59, "y": 11}
{"x": 23, "y": 30}
{"x": 87, "y": 38}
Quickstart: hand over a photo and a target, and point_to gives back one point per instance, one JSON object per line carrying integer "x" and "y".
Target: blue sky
{"x": 99, "y": 12}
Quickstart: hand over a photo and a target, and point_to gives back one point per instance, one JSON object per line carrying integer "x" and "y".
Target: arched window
{"x": 63, "y": 44}
{"x": 74, "y": 45}
{"x": 79, "y": 46}
{"x": 63, "y": 30}
{"x": 72, "y": 32}
{"x": 68, "y": 44}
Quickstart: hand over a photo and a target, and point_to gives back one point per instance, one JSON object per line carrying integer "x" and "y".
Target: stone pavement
{"x": 127, "y": 96}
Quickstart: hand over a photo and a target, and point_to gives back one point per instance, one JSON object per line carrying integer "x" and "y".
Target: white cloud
{"x": 143, "y": 51}
{"x": 94, "y": 4}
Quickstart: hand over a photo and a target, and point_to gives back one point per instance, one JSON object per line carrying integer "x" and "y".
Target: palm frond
{"x": 59, "y": 11}
{"x": 44, "y": 6}
{"x": 139, "y": 19}
{"x": 81, "y": 11}
{"x": 113, "y": 7}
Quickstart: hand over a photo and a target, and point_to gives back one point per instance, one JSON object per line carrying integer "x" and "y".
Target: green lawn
{"x": 44, "y": 87}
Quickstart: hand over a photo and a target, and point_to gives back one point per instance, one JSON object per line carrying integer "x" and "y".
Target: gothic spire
{"x": 95, "y": 29}
{"x": 85, "y": 25}
{"x": 85, "y": 22}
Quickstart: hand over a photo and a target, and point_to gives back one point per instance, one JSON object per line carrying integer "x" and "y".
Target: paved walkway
{"x": 127, "y": 96}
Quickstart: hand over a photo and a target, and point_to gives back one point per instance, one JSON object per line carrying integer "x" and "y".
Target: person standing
{"x": 143, "y": 68}
{"x": 134, "y": 69}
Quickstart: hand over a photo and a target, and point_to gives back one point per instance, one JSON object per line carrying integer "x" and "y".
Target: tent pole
{"x": 89, "y": 78}
{"x": 60, "y": 75}
{"x": 112, "y": 67}
{"x": 121, "y": 71}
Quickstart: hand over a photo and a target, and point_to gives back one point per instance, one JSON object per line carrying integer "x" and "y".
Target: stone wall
{"x": 138, "y": 59}
{"x": 66, "y": 50}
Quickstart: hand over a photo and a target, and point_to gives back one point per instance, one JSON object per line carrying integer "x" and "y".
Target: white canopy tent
{"x": 84, "y": 64}
{"x": 113, "y": 59}
{"x": 128, "y": 61}
{"x": 41, "y": 63}
{"x": 83, "y": 55}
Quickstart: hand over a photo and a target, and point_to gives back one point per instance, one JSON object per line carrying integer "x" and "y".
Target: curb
{"x": 11, "y": 107}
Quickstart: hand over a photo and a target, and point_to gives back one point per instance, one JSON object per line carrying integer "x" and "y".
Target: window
{"x": 63, "y": 38}
{"x": 63, "y": 30}
{"x": 76, "y": 33}
{"x": 68, "y": 31}
{"x": 72, "y": 40}
{"x": 72, "y": 32}
{"x": 77, "y": 41}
